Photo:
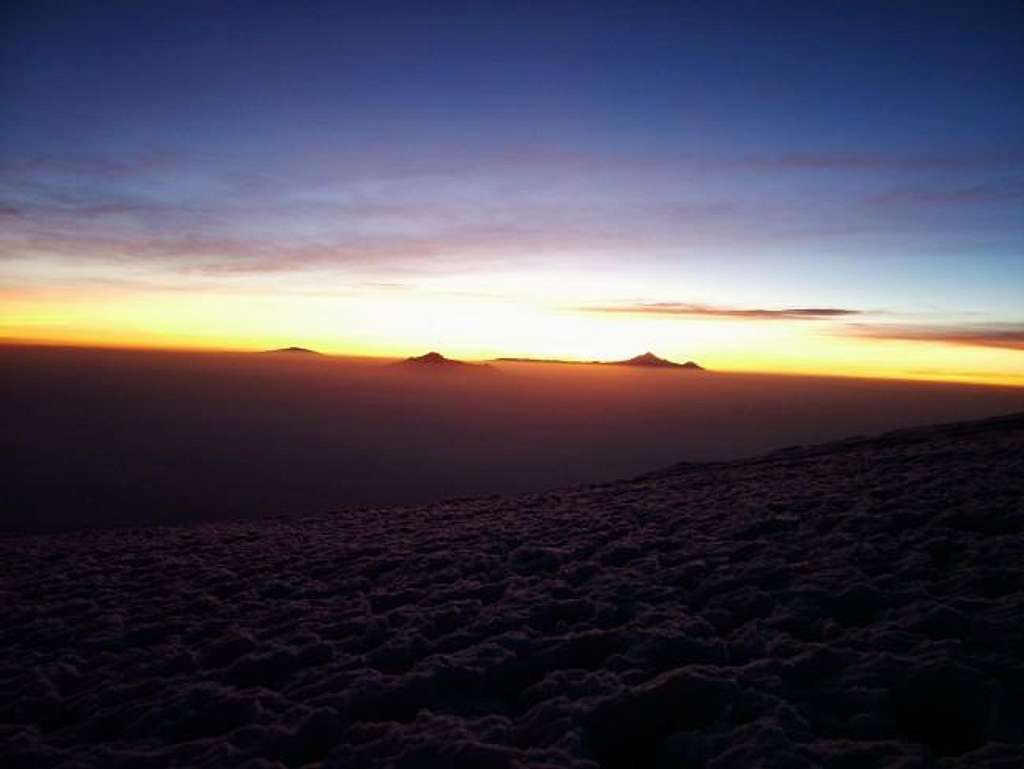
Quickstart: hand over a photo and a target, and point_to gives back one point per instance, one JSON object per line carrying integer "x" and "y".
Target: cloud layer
{"x": 228, "y": 214}
{"x": 694, "y": 310}
{"x": 997, "y": 335}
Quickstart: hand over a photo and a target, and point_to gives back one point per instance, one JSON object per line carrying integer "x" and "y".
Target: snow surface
{"x": 855, "y": 604}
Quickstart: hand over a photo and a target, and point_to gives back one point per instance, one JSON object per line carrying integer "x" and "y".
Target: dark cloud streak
{"x": 694, "y": 310}
{"x": 1003, "y": 336}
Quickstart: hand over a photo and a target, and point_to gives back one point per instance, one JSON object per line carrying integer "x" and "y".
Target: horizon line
{"x": 965, "y": 378}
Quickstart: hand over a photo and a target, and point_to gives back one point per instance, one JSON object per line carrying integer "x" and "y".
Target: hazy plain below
{"x": 124, "y": 437}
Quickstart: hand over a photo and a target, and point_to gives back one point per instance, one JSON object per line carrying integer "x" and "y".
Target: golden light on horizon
{"x": 390, "y": 325}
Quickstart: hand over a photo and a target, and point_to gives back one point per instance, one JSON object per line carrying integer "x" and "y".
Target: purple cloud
{"x": 878, "y": 161}
{"x": 978, "y": 194}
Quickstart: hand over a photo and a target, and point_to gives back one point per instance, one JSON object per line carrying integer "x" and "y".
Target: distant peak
{"x": 433, "y": 358}
{"x": 650, "y": 360}
{"x": 436, "y": 361}
{"x": 302, "y": 350}
{"x": 647, "y": 360}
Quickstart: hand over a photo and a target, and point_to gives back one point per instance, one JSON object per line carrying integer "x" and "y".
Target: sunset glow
{"x": 394, "y": 204}
{"x": 387, "y": 325}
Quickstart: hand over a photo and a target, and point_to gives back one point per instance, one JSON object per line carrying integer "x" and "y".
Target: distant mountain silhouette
{"x": 647, "y": 360}
{"x": 437, "y": 362}
{"x": 300, "y": 350}
{"x": 650, "y": 360}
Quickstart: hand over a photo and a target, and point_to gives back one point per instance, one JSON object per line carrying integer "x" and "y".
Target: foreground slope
{"x": 856, "y": 604}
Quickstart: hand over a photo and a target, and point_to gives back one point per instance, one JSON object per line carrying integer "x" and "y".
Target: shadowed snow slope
{"x": 855, "y": 604}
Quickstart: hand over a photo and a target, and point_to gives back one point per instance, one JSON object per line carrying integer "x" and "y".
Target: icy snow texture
{"x": 856, "y": 604}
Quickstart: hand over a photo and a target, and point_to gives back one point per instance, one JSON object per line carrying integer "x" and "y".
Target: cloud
{"x": 880, "y": 161}
{"x": 200, "y": 254}
{"x": 423, "y": 211}
{"x": 1004, "y": 336}
{"x": 978, "y": 194}
{"x": 108, "y": 166}
{"x": 689, "y": 309}
{"x": 470, "y": 247}
{"x": 385, "y": 160}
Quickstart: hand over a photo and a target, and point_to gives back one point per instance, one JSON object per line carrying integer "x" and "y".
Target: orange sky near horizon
{"x": 398, "y": 323}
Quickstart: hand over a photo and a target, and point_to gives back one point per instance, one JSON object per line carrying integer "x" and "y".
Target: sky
{"x": 822, "y": 187}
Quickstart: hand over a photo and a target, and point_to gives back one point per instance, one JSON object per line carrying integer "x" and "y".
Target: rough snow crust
{"x": 857, "y": 604}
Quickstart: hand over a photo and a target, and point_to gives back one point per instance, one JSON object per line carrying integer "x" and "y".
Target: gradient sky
{"x": 829, "y": 187}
